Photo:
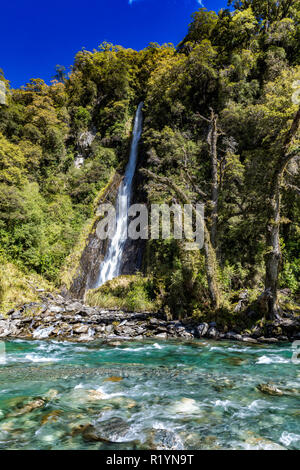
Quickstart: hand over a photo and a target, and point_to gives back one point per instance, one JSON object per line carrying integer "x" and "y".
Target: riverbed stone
{"x": 248, "y": 339}
{"x": 111, "y": 430}
{"x": 81, "y": 329}
{"x": 262, "y": 339}
{"x": 270, "y": 389}
{"x": 73, "y": 319}
{"x": 164, "y": 439}
{"x": 161, "y": 336}
{"x": 231, "y": 335}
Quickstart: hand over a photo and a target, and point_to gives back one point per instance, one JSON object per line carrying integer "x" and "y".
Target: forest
{"x": 221, "y": 127}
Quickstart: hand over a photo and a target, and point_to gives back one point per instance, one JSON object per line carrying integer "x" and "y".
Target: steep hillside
{"x": 221, "y": 127}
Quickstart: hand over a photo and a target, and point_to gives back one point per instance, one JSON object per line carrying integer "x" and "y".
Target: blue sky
{"x": 37, "y": 35}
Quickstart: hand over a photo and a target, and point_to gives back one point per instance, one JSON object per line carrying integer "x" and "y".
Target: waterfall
{"x": 111, "y": 266}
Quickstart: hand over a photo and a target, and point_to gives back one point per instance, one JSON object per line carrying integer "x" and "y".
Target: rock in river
{"x": 163, "y": 439}
{"x": 111, "y": 430}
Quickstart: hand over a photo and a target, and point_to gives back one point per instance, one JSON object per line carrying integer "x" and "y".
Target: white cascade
{"x": 111, "y": 265}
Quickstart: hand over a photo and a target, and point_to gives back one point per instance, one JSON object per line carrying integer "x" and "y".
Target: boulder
{"x": 42, "y": 333}
{"x": 163, "y": 439}
{"x": 231, "y": 335}
{"x": 28, "y": 407}
{"x": 161, "y": 336}
{"x": 201, "y": 330}
{"x": 262, "y": 339}
{"x": 269, "y": 389}
{"x": 81, "y": 329}
{"x": 111, "y": 430}
{"x": 248, "y": 339}
{"x": 213, "y": 333}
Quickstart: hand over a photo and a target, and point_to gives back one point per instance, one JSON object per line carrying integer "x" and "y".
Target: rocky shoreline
{"x": 56, "y": 317}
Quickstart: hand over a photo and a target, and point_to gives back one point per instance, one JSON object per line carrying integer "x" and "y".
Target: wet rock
{"x": 100, "y": 329}
{"x": 163, "y": 439}
{"x": 161, "y": 336}
{"x": 284, "y": 339}
{"x": 111, "y": 430}
{"x": 95, "y": 395}
{"x": 185, "y": 406}
{"x": 115, "y": 343}
{"x": 51, "y": 417}
{"x": 113, "y": 379}
{"x": 272, "y": 389}
{"x": 51, "y": 394}
{"x": 254, "y": 442}
{"x": 248, "y": 339}
{"x": 42, "y": 333}
{"x": 213, "y": 333}
{"x": 262, "y": 339}
{"x": 234, "y": 360}
{"x": 28, "y": 407}
{"x": 201, "y": 330}
{"x": 4, "y": 329}
{"x": 81, "y": 329}
{"x": 233, "y": 336}
{"x": 85, "y": 338}
{"x": 8, "y": 328}
{"x": 269, "y": 389}
{"x": 79, "y": 429}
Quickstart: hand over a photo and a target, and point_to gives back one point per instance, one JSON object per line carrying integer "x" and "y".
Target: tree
{"x": 210, "y": 255}
{"x": 201, "y": 28}
{"x": 60, "y": 74}
{"x": 212, "y": 140}
{"x": 267, "y": 10}
{"x": 274, "y": 255}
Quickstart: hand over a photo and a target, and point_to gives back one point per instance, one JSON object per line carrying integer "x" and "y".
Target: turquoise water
{"x": 168, "y": 394}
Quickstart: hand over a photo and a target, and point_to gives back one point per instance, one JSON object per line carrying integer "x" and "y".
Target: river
{"x": 150, "y": 394}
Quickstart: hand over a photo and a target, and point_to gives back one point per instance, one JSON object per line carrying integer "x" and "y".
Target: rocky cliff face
{"x": 94, "y": 251}
{"x": 132, "y": 261}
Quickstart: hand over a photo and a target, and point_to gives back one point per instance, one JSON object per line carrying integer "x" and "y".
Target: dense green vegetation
{"x": 220, "y": 127}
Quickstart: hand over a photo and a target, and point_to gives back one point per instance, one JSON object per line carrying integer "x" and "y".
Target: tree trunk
{"x": 209, "y": 252}
{"x": 211, "y": 269}
{"x": 212, "y": 140}
{"x": 274, "y": 256}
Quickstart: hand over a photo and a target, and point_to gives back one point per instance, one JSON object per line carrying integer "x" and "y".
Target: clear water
{"x": 110, "y": 268}
{"x": 203, "y": 392}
